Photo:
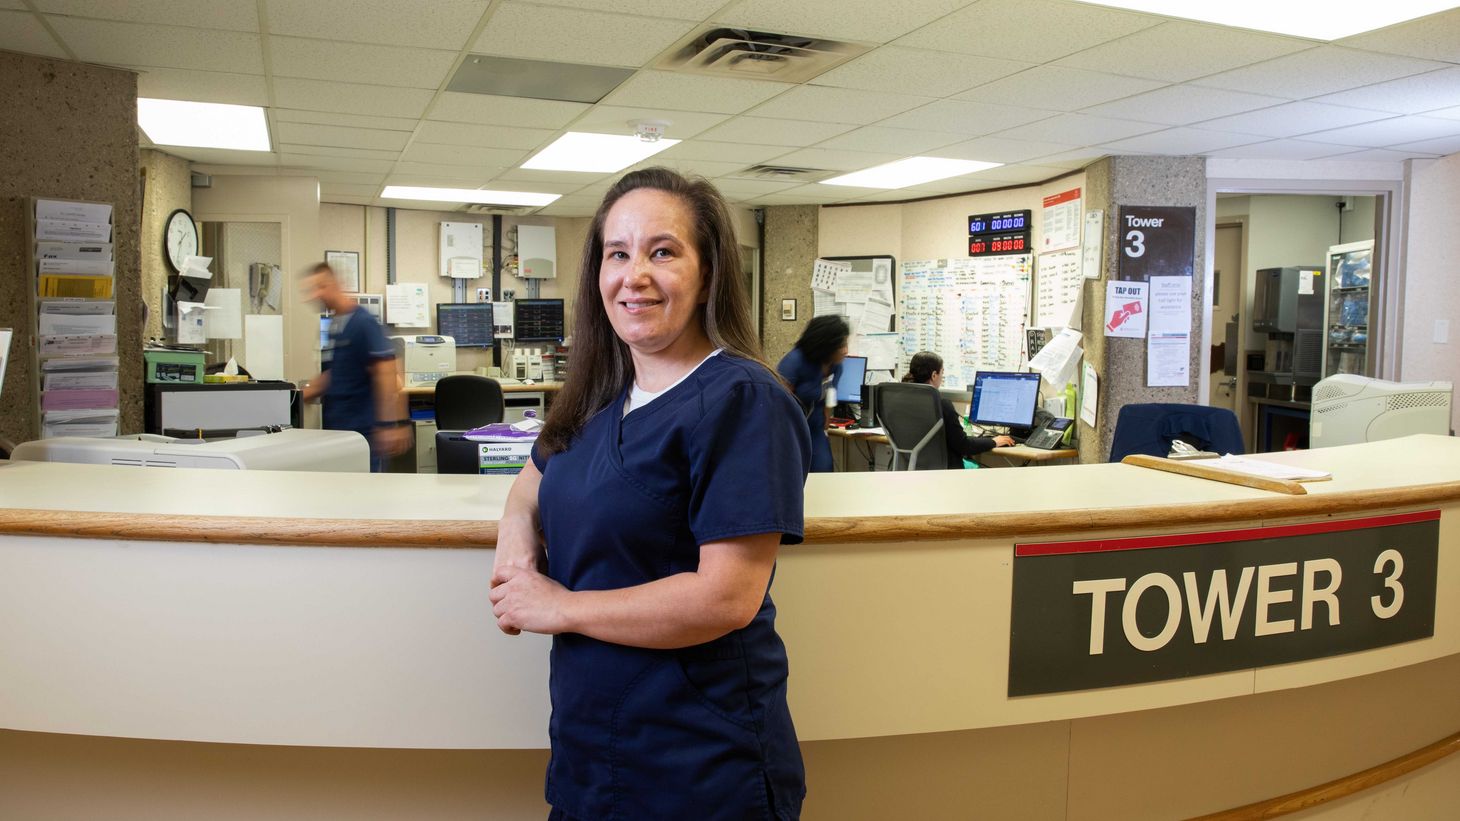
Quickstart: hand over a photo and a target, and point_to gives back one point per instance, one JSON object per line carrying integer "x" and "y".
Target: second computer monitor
{"x": 854, "y": 373}
{"x": 538, "y": 320}
{"x": 1007, "y": 399}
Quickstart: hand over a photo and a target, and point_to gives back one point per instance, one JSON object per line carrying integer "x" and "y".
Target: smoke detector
{"x": 747, "y": 54}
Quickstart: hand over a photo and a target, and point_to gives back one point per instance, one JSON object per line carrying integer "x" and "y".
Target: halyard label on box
{"x": 1106, "y": 612}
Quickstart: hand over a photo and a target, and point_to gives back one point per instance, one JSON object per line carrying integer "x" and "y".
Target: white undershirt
{"x": 638, "y": 397}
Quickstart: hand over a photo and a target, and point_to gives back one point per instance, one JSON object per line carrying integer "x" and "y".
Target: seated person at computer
{"x": 926, "y": 368}
{"x": 811, "y": 368}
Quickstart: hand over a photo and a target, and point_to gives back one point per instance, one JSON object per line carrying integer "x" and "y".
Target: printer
{"x": 335, "y": 451}
{"x": 425, "y": 359}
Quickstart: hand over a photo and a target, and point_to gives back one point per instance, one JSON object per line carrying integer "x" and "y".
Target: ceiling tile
{"x": 961, "y": 117}
{"x": 220, "y": 156}
{"x": 336, "y": 163}
{"x": 454, "y": 106}
{"x": 462, "y": 156}
{"x": 569, "y": 208}
{"x": 911, "y": 71}
{"x": 1443, "y": 145}
{"x": 359, "y": 63}
{"x": 831, "y": 159}
{"x": 1179, "y": 141}
{"x": 441, "y": 24}
{"x": 335, "y": 151}
{"x": 1078, "y": 158}
{"x": 1436, "y": 37}
{"x": 837, "y": 105}
{"x": 134, "y": 44}
{"x": 1004, "y": 174}
{"x": 676, "y": 9}
{"x": 999, "y": 149}
{"x": 486, "y": 136}
{"x": 531, "y": 175}
{"x": 892, "y": 140}
{"x": 575, "y": 36}
{"x": 1322, "y": 70}
{"x": 1078, "y": 129}
{"x": 351, "y": 177}
{"x": 1180, "y": 51}
{"x": 725, "y": 152}
{"x": 21, "y": 31}
{"x": 202, "y": 86}
{"x": 818, "y": 192}
{"x": 1058, "y": 88}
{"x": 292, "y": 115}
{"x": 499, "y": 184}
{"x": 1447, "y": 113}
{"x": 1277, "y": 150}
{"x": 346, "y": 199}
{"x": 1379, "y": 155}
{"x": 1033, "y": 30}
{"x": 311, "y": 134}
{"x": 1409, "y": 95}
{"x": 230, "y": 15}
{"x": 606, "y": 119}
{"x": 1389, "y": 132}
{"x": 1180, "y": 105}
{"x": 1292, "y": 119}
{"x": 457, "y": 177}
{"x": 350, "y": 98}
{"x": 762, "y": 130}
{"x": 704, "y": 168}
{"x": 693, "y": 92}
{"x": 871, "y": 21}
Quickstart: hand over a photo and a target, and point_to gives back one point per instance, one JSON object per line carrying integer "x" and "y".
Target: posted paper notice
{"x": 1125, "y": 309}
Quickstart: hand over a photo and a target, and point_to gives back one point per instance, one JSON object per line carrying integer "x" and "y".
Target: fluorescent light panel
{"x": 203, "y": 125}
{"x": 603, "y": 153}
{"x": 911, "y": 171}
{"x": 1318, "y": 21}
{"x": 476, "y": 195}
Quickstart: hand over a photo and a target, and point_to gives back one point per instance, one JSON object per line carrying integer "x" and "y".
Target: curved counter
{"x": 305, "y": 609}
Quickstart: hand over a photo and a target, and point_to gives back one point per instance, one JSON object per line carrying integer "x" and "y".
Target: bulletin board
{"x": 972, "y": 312}
{"x": 862, "y": 290}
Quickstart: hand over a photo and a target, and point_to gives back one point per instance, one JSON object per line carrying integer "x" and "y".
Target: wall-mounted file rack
{"x": 74, "y": 317}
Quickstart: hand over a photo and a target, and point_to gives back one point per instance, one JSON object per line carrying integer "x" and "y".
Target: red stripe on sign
{"x": 1063, "y": 196}
{"x": 1219, "y": 536}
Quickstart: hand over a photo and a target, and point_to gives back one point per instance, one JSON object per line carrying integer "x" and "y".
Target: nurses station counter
{"x": 1081, "y": 642}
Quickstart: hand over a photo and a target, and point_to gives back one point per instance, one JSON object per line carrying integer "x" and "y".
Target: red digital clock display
{"x": 997, "y": 244}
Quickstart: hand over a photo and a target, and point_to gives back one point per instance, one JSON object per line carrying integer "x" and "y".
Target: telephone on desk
{"x": 1049, "y": 434}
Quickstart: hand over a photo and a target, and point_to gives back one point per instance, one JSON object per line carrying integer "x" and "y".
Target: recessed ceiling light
{"x": 604, "y": 153}
{"x": 203, "y": 125}
{"x": 1318, "y": 21}
{"x": 476, "y": 195}
{"x": 911, "y": 171}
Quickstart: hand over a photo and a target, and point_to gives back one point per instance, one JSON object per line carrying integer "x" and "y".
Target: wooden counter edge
{"x": 464, "y": 533}
{"x": 1340, "y": 787}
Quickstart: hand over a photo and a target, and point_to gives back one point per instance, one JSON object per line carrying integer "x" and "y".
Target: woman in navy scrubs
{"x": 643, "y": 535}
{"x": 811, "y": 368}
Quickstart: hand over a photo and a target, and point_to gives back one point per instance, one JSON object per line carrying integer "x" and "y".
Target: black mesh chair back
{"x": 913, "y": 417}
{"x": 456, "y": 454}
{"x": 466, "y": 401}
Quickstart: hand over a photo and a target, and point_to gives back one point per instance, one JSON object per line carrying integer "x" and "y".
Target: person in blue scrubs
{"x": 812, "y": 367}
{"x": 643, "y": 534}
{"x": 359, "y": 381}
{"x": 926, "y": 368}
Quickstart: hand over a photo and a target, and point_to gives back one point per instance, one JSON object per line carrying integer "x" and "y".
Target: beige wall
{"x": 293, "y": 203}
{"x": 166, "y": 187}
{"x": 1432, "y": 260}
{"x": 1156, "y": 764}
{"x": 70, "y": 131}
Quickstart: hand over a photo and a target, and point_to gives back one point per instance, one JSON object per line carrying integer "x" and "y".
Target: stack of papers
{"x": 1266, "y": 470}
{"x": 77, "y": 321}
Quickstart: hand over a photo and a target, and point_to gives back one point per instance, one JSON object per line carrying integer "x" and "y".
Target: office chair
{"x": 1150, "y": 428}
{"x": 913, "y": 417}
{"x": 456, "y": 454}
{"x": 466, "y": 401}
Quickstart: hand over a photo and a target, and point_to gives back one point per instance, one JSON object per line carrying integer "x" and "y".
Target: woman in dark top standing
{"x": 643, "y": 534}
{"x": 809, "y": 367}
{"x": 926, "y": 368}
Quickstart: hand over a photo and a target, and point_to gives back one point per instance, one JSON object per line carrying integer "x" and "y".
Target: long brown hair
{"x": 602, "y": 366}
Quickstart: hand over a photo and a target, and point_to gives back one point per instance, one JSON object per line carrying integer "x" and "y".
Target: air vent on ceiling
{"x": 784, "y": 173}
{"x": 749, "y": 54}
{"x": 504, "y": 210}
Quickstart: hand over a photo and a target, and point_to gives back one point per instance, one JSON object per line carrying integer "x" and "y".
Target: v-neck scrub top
{"x": 701, "y": 732}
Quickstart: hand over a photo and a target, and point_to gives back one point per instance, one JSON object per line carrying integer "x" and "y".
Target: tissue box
{"x": 503, "y": 458}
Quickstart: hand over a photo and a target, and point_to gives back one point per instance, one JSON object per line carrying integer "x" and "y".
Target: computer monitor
{"x": 854, "y": 373}
{"x": 1007, "y": 399}
{"x": 538, "y": 320}
{"x": 324, "y": 331}
{"x": 469, "y": 323}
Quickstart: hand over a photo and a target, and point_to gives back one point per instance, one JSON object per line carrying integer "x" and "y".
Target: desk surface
{"x": 1024, "y": 452}
{"x": 540, "y": 387}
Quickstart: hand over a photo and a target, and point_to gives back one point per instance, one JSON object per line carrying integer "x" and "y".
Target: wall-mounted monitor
{"x": 469, "y": 323}
{"x": 538, "y": 320}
